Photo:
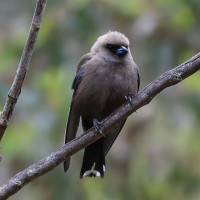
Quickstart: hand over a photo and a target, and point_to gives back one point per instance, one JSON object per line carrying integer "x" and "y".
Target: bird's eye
{"x": 112, "y": 48}
{"x": 109, "y": 46}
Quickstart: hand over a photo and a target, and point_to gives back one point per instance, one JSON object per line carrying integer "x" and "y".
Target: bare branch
{"x": 48, "y": 163}
{"x": 23, "y": 65}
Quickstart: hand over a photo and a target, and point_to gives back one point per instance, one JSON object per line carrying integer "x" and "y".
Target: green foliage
{"x": 129, "y": 8}
{"x": 184, "y": 18}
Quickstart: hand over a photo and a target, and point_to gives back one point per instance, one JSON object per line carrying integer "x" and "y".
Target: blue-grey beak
{"x": 122, "y": 51}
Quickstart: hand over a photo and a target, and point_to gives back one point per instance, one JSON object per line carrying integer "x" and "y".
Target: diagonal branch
{"x": 48, "y": 163}
{"x": 23, "y": 65}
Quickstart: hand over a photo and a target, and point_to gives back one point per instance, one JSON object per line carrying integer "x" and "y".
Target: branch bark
{"x": 23, "y": 66}
{"x": 144, "y": 97}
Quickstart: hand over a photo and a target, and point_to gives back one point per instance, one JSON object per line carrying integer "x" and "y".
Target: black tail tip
{"x": 66, "y": 165}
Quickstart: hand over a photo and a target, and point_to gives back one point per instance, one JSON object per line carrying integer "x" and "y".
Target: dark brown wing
{"x": 73, "y": 116}
{"x": 111, "y": 137}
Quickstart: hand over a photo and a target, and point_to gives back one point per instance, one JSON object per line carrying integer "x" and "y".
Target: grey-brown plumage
{"x": 104, "y": 77}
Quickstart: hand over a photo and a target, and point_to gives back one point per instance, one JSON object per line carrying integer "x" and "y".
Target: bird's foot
{"x": 97, "y": 124}
{"x": 129, "y": 98}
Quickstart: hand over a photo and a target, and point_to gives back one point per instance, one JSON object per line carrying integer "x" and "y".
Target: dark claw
{"x": 97, "y": 124}
{"x": 129, "y": 98}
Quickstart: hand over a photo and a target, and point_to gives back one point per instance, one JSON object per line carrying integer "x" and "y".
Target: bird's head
{"x": 113, "y": 47}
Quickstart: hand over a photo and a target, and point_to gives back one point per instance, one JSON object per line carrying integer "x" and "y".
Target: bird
{"x": 105, "y": 77}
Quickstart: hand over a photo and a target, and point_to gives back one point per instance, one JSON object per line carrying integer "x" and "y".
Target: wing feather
{"x": 111, "y": 137}
{"x": 73, "y": 116}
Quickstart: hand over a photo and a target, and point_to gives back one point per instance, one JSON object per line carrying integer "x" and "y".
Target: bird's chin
{"x": 113, "y": 60}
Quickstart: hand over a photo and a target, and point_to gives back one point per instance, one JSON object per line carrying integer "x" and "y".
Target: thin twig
{"x": 23, "y": 66}
{"x": 48, "y": 163}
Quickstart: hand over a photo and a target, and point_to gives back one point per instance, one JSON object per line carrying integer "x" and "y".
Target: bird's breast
{"x": 102, "y": 90}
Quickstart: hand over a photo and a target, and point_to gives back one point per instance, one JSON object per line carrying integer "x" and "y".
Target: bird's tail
{"x": 94, "y": 160}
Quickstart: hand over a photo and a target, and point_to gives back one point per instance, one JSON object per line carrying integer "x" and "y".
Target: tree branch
{"x": 48, "y": 163}
{"x": 23, "y": 65}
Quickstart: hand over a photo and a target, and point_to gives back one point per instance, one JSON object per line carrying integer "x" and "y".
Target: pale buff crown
{"x": 112, "y": 37}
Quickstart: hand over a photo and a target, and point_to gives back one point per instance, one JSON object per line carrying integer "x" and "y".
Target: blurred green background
{"x": 157, "y": 155}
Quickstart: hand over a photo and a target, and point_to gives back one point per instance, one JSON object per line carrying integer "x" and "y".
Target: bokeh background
{"x": 157, "y": 155}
